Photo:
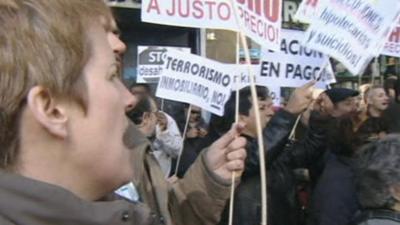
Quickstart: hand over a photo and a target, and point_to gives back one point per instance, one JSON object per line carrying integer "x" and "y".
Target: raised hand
{"x": 227, "y": 154}
{"x": 301, "y": 98}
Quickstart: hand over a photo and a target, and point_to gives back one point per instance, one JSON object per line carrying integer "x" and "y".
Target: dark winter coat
{"x": 334, "y": 200}
{"x": 281, "y": 159}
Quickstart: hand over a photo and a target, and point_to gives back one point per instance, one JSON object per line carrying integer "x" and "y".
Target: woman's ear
{"x": 49, "y": 111}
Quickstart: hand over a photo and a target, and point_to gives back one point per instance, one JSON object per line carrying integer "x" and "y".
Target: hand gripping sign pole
{"x": 258, "y": 122}
{"x": 318, "y": 78}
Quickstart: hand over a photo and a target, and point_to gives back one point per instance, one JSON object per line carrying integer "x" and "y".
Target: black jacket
{"x": 281, "y": 159}
{"x": 334, "y": 199}
{"x": 392, "y": 116}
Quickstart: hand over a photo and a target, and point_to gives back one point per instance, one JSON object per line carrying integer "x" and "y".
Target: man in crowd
{"x": 194, "y": 142}
{"x": 140, "y": 90}
{"x": 377, "y": 101}
{"x": 375, "y": 125}
{"x": 281, "y": 160}
{"x": 378, "y": 182}
{"x": 333, "y": 198}
{"x": 166, "y": 143}
{"x": 393, "y": 111}
{"x": 167, "y": 136}
{"x": 66, "y": 141}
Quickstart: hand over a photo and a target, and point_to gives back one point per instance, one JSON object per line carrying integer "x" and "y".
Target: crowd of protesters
{"x": 335, "y": 126}
{"x": 77, "y": 147}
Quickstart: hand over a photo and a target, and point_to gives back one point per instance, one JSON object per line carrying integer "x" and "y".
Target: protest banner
{"x": 294, "y": 65}
{"x": 241, "y": 79}
{"x": 327, "y": 75}
{"x": 392, "y": 46}
{"x": 261, "y": 19}
{"x": 195, "y": 80}
{"x": 150, "y": 62}
{"x": 307, "y": 11}
{"x": 354, "y": 31}
{"x": 275, "y": 94}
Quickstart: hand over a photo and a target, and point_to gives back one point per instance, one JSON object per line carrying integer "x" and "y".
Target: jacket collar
{"x": 139, "y": 146}
{"x": 27, "y": 201}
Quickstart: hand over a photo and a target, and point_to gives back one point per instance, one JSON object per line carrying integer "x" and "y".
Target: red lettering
{"x": 272, "y": 10}
{"x": 210, "y": 6}
{"x": 313, "y": 3}
{"x": 395, "y": 35}
{"x": 250, "y": 5}
{"x": 171, "y": 12}
{"x": 258, "y": 7}
{"x": 153, "y": 5}
{"x": 227, "y": 11}
{"x": 180, "y": 7}
{"x": 197, "y": 7}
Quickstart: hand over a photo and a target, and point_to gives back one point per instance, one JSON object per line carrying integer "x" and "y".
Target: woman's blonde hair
{"x": 42, "y": 42}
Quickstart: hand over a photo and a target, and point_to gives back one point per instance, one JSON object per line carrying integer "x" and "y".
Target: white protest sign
{"x": 292, "y": 66}
{"x": 241, "y": 76}
{"x": 327, "y": 75}
{"x": 241, "y": 79}
{"x": 195, "y": 80}
{"x": 261, "y": 19}
{"x": 307, "y": 11}
{"x": 392, "y": 46}
{"x": 275, "y": 94}
{"x": 150, "y": 62}
{"x": 352, "y": 31}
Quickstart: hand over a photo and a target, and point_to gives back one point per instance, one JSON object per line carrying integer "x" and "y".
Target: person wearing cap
{"x": 333, "y": 199}
{"x": 281, "y": 157}
{"x": 339, "y": 102}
